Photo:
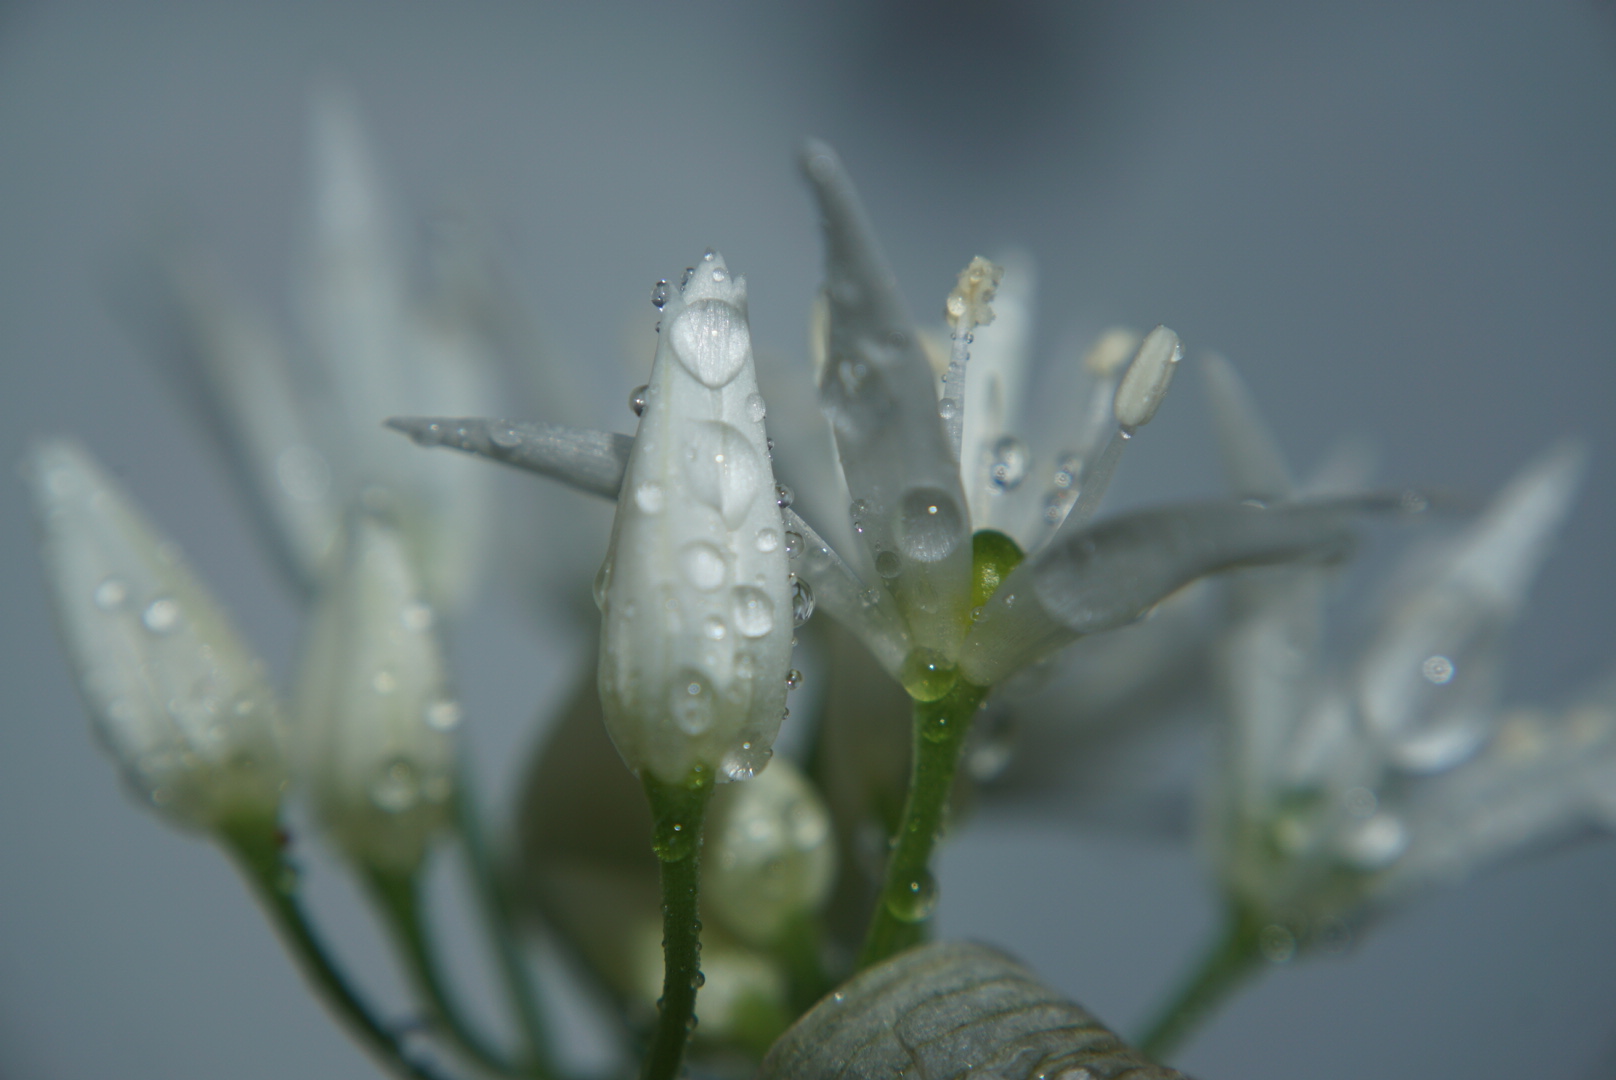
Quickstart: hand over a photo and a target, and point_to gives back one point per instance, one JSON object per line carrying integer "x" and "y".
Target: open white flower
{"x": 177, "y": 697}
{"x": 1347, "y": 789}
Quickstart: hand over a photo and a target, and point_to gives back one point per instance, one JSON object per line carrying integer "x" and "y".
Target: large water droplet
{"x": 638, "y": 397}
{"x": 1010, "y": 463}
{"x": 110, "y": 594}
{"x": 768, "y": 540}
{"x": 704, "y": 565}
{"x": 753, "y": 611}
{"x": 714, "y": 628}
{"x": 659, "y": 294}
{"x": 793, "y": 679}
{"x": 712, "y": 341}
{"x": 930, "y": 525}
{"x": 793, "y": 543}
{"x": 648, "y": 497}
{"x": 887, "y": 564}
{"x": 928, "y": 675}
{"x": 745, "y": 761}
{"x": 396, "y": 786}
{"x": 691, "y": 702}
{"x": 724, "y": 470}
{"x": 802, "y": 601}
{"x": 947, "y": 408}
{"x": 162, "y": 616}
{"x": 916, "y": 900}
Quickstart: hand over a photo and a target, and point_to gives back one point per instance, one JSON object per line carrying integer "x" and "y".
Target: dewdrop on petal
{"x": 375, "y": 720}
{"x": 697, "y": 615}
{"x": 1144, "y": 386}
{"x": 177, "y": 698}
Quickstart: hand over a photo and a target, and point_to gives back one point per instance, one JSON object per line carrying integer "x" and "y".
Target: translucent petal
{"x": 878, "y": 391}
{"x": 1112, "y": 573}
{"x": 590, "y": 461}
{"x": 868, "y": 612}
{"x": 1252, "y": 460}
{"x": 1001, "y": 359}
{"x": 177, "y": 697}
{"x": 1428, "y": 683}
{"x": 375, "y": 714}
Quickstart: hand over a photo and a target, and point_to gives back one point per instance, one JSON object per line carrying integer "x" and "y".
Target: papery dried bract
{"x": 177, "y": 697}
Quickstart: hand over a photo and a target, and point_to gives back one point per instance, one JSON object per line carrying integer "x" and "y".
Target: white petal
{"x": 590, "y": 461}
{"x": 878, "y": 391}
{"x": 869, "y": 613}
{"x": 375, "y": 716}
{"x": 178, "y": 699}
{"x": 1252, "y": 461}
{"x": 995, "y": 481}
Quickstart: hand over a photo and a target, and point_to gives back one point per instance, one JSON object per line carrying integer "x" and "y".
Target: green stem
{"x": 678, "y": 811}
{"x": 258, "y": 849}
{"x": 399, "y": 895}
{"x": 1233, "y": 958}
{"x": 909, "y": 892}
{"x": 502, "y": 931}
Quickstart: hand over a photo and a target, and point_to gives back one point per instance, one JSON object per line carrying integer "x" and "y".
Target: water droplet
{"x": 745, "y": 762}
{"x": 704, "y": 565}
{"x": 720, "y": 274}
{"x": 506, "y": 436}
{"x": 928, "y": 675}
{"x": 711, "y": 340}
{"x": 697, "y": 981}
{"x": 1276, "y": 943}
{"x": 753, "y": 611}
{"x": 396, "y": 786}
{"x": 947, "y": 408}
{"x": 724, "y": 470}
{"x": 838, "y": 997}
{"x": 1412, "y": 502}
{"x": 659, "y": 294}
{"x": 755, "y": 408}
{"x": 637, "y": 399}
{"x": 768, "y": 540}
{"x": 887, "y": 564}
{"x": 783, "y": 496}
{"x": 416, "y": 616}
{"x": 992, "y": 745}
{"x": 802, "y": 601}
{"x": 1057, "y": 504}
{"x": 1067, "y": 470}
{"x": 930, "y": 525}
{"x": 1438, "y": 670}
{"x": 684, "y": 279}
{"x": 708, "y": 255}
{"x": 793, "y": 679}
{"x": 162, "y": 616}
{"x": 110, "y": 594}
{"x": 603, "y": 581}
{"x": 691, "y": 702}
{"x": 793, "y": 544}
{"x": 383, "y": 682}
{"x": 1010, "y": 463}
{"x": 648, "y": 497}
{"x": 443, "y": 715}
{"x": 714, "y": 628}
{"x": 916, "y": 900}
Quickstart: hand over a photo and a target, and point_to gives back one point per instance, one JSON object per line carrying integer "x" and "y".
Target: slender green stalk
{"x": 399, "y": 896}
{"x": 1233, "y": 958}
{"x": 909, "y": 892}
{"x": 501, "y": 928}
{"x": 678, "y": 812}
{"x": 258, "y": 849}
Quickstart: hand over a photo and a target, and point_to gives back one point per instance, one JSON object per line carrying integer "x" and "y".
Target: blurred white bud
{"x": 375, "y": 719}
{"x": 695, "y": 593}
{"x": 771, "y": 856}
{"x": 177, "y": 697}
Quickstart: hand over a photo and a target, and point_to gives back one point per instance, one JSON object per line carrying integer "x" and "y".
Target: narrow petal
{"x": 878, "y": 390}
{"x": 994, "y": 457}
{"x": 870, "y": 614}
{"x": 1252, "y": 460}
{"x": 178, "y": 699}
{"x": 1110, "y": 574}
{"x": 590, "y": 461}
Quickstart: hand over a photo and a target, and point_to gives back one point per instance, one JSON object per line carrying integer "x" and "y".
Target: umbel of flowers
{"x": 967, "y": 549}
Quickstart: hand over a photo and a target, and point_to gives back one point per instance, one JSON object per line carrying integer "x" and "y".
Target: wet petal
{"x": 869, "y": 613}
{"x": 878, "y": 390}
{"x": 178, "y": 699}
{"x": 1114, "y": 572}
{"x": 590, "y": 461}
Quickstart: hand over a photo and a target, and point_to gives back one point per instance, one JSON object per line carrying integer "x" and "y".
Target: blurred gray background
{"x": 1398, "y": 221}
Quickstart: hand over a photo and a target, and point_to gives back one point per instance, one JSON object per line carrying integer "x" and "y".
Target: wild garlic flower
{"x": 695, "y": 596}
{"x": 1344, "y": 790}
{"x": 376, "y": 722}
{"x": 178, "y": 698}
{"x": 301, "y": 426}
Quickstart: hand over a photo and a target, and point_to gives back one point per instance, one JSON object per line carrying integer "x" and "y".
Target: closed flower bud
{"x": 178, "y": 699}
{"x": 695, "y": 594}
{"x": 375, "y": 719}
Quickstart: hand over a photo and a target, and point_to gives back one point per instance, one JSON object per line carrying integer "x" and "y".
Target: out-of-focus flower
{"x": 1346, "y": 788}
{"x": 375, "y": 717}
{"x": 301, "y": 426}
{"x": 178, "y": 699}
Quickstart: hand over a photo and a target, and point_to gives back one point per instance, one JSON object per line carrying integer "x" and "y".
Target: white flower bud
{"x": 694, "y": 592}
{"x": 375, "y": 720}
{"x": 177, "y": 697}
